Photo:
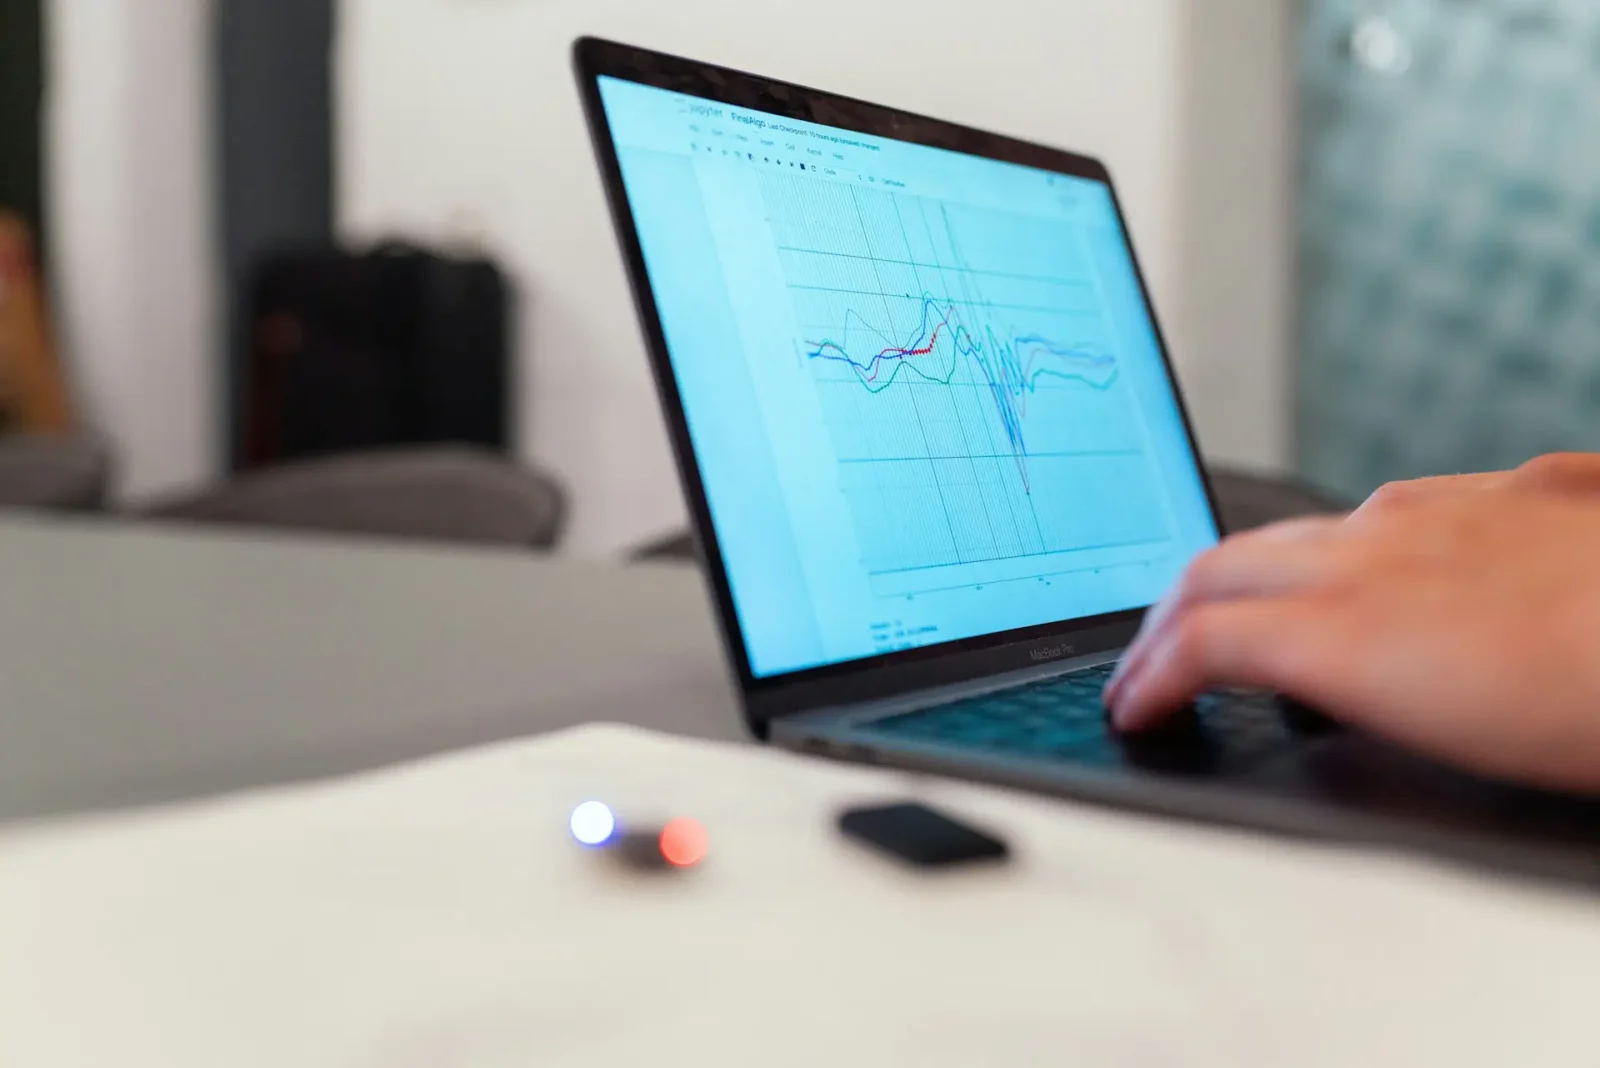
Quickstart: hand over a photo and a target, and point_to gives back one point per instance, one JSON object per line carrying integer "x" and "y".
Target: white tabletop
{"x": 435, "y": 914}
{"x": 439, "y": 915}
{"x": 147, "y": 663}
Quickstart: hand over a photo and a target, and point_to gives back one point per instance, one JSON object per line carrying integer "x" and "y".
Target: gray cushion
{"x": 446, "y": 493}
{"x": 60, "y": 472}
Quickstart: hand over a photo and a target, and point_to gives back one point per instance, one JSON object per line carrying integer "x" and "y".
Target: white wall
{"x": 130, "y": 207}
{"x": 1236, "y": 282}
{"x": 461, "y": 116}
{"x": 458, "y": 116}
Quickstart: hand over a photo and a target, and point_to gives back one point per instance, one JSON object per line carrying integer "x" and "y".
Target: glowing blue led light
{"x": 593, "y": 823}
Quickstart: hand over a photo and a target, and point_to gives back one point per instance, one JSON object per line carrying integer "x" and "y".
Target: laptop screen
{"x": 923, "y": 388}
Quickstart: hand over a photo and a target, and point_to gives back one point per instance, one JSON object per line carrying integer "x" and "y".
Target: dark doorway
{"x": 21, "y": 92}
{"x": 275, "y": 133}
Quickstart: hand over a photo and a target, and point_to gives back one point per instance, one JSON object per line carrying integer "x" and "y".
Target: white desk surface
{"x": 437, "y": 915}
{"x": 149, "y": 663}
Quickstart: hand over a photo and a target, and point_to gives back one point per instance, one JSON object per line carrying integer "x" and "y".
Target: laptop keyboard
{"x": 1063, "y": 718}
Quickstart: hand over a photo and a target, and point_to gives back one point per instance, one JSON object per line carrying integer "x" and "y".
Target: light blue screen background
{"x": 924, "y": 393}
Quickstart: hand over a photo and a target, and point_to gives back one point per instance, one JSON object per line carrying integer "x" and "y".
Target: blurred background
{"x": 241, "y": 235}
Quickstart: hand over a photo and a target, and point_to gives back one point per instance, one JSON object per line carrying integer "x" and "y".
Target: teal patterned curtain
{"x": 1450, "y": 236}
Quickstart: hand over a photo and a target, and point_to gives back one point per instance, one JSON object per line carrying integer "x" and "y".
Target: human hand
{"x": 1459, "y": 617}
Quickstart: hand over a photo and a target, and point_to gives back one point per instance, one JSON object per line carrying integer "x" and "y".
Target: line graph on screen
{"x": 969, "y": 379}
{"x": 1012, "y": 370}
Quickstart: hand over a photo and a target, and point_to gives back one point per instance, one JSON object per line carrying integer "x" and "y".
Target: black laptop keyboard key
{"x": 1301, "y": 718}
{"x": 1183, "y": 745}
{"x": 1041, "y": 718}
{"x": 1248, "y": 722}
{"x": 1064, "y": 718}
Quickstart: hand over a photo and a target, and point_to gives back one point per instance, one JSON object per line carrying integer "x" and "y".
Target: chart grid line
{"x": 1140, "y": 544}
{"x": 1031, "y": 577}
{"x": 989, "y": 456}
{"x": 1074, "y": 282}
{"x": 1044, "y": 309}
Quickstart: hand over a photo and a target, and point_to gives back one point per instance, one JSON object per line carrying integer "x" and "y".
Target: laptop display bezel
{"x": 889, "y": 674}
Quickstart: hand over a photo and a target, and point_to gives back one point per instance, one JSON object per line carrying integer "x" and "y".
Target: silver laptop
{"x": 938, "y": 464}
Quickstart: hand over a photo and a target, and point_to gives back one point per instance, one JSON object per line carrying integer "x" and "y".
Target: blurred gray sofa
{"x": 64, "y": 472}
{"x": 438, "y": 493}
{"x": 444, "y": 493}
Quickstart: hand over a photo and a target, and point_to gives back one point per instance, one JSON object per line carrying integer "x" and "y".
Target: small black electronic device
{"x": 920, "y": 836}
{"x": 939, "y": 465}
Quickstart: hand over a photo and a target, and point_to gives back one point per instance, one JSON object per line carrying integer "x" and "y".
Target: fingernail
{"x": 1120, "y": 719}
{"x": 1120, "y": 672}
{"x": 1109, "y": 694}
{"x": 1115, "y": 703}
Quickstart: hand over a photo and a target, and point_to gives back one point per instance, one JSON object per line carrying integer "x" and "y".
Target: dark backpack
{"x": 397, "y": 346}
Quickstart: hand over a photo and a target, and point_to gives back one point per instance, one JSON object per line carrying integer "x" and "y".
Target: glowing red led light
{"x": 683, "y": 843}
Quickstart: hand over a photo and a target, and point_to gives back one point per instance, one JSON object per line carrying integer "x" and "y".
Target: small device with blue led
{"x": 676, "y": 845}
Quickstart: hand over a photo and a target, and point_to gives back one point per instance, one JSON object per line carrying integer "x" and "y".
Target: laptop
{"x": 938, "y": 464}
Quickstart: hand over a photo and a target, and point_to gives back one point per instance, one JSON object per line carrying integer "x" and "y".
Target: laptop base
{"x": 1342, "y": 788}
